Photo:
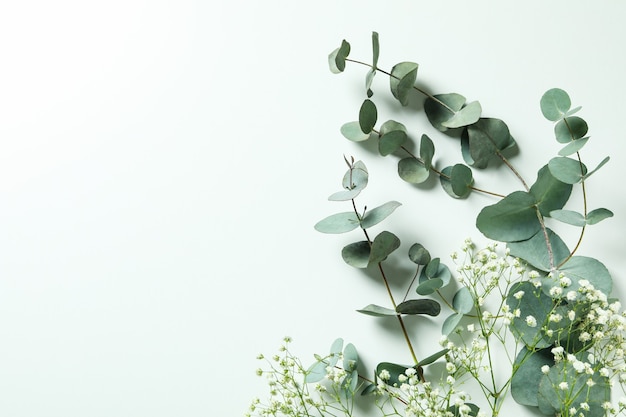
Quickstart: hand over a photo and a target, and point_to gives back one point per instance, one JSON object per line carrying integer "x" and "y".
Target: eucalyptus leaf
{"x": 402, "y": 80}
{"x": 466, "y": 116}
{"x": 432, "y": 358}
{"x": 441, "y": 108}
{"x": 382, "y": 246}
{"x": 429, "y": 287}
{"x": 368, "y": 114}
{"x": 369, "y": 389}
{"x": 483, "y": 140}
{"x": 549, "y": 395}
{"x": 427, "y": 151}
{"x": 570, "y": 129}
{"x": 357, "y": 254}
{"x": 451, "y": 323}
{"x": 532, "y": 303}
{"x": 550, "y": 193}
{"x": 377, "y": 311}
{"x": 555, "y": 103}
{"x": 316, "y": 372}
{"x": 350, "y": 358}
{"x": 421, "y": 306}
{"x": 463, "y": 302}
{"x": 569, "y": 217}
{"x": 590, "y": 269}
{"x": 535, "y": 250}
{"x": 394, "y": 369}
{"x": 418, "y": 254}
{"x": 525, "y": 381}
{"x": 567, "y": 170}
{"x": 597, "y": 215}
{"x": 436, "y": 269}
{"x": 461, "y": 180}
{"x": 378, "y": 214}
{"x": 512, "y": 219}
{"x": 600, "y": 165}
{"x": 338, "y": 223}
{"x": 354, "y": 181}
{"x": 337, "y": 58}
{"x": 412, "y": 170}
{"x": 352, "y": 131}
{"x": 391, "y": 142}
{"x": 573, "y": 147}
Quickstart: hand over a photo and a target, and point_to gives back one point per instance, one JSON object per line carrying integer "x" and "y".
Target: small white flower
{"x": 571, "y": 315}
{"x": 556, "y": 291}
{"x": 450, "y": 367}
{"x": 584, "y": 406}
{"x": 450, "y": 380}
{"x": 470, "y": 328}
{"x": 565, "y": 282}
{"x": 518, "y": 295}
{"x": 563, "y": 386}
{"x": 545, "y": 369}
{"x": 571, "y": 295}
{"x": 531, "y": 321}
{"x": 604, "y": 372}
{"x": 384, "y": 375}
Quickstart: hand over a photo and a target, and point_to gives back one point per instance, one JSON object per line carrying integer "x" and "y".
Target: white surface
{"x": 163, "y": 163}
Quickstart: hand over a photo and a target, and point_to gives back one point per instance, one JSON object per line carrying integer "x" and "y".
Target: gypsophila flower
{"x": 531, "y": 321}
{"x": 545, "y": 369}
{"x": 384, "y": 375}
{"x": 518, "y": 295}
{"x": 563, "y": 386}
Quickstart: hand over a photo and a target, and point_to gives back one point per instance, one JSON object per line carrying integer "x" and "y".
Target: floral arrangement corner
{"x": 525, "y": 297}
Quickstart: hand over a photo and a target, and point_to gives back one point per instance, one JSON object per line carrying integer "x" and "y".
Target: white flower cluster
{"x": 426, "y": 399}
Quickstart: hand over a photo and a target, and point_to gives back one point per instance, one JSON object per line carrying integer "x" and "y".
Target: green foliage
{"x": 367, "y": 116}
{"x": 555, "y": 103}
{"x": 511, "y": 219}
{"x": 392, "y": 137}
{"x": 403, "y": 76}
{"x": 337, "y": 58}
{"x": 525, "y": 382}
{"x": 484, "y": 140}
{"x": 422, "y": 306}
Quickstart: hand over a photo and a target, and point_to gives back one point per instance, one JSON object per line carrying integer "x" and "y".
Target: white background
{"x": 163, "y": 163}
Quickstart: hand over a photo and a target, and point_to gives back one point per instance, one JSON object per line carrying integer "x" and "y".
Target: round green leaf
{"x": 481, "y": 141}
{"x": 391, "y": 142}
{"x": 429, "y": 286}
{"x": 466, "y": 116}
{"x": 550, "y": 193}
{"x": 461, "y": 180}
{"x": 555, "y": 103}
{"x": 582, "y": 267}
{"x": 435, "y": 269}
{"x": 383, "y": 245}
{"x": 403, "y": 76}
{"x": 350, "y": 357}
{"x": 432, "y": 268}
{"x": 412, "y": 170}
{"x": 549, "y": 395}
{"x": 525, "y": 382}
{"x": 378, "y": 214}
{"x": 570, "y": 129}
{"x": 338, "y": 223}
{"x": 533, "y": 303}
{"x": 535, "y": 251}
{"x": 441, "y": 108}
{"x": 463, "y": 302}
{"x": 337, "y": 58}
{"x": 567, "y": 170}
{"x": 354, "y": 181}
{"x": 422, "y": 306}
{"x": 367, "y": 116}
{"x": 512, "y": 219}
{"x": 418, "y": 254}
{"x": 451, "y": 323}
{"x": 352, "y": 131}
{"x": 357, "y": 254}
